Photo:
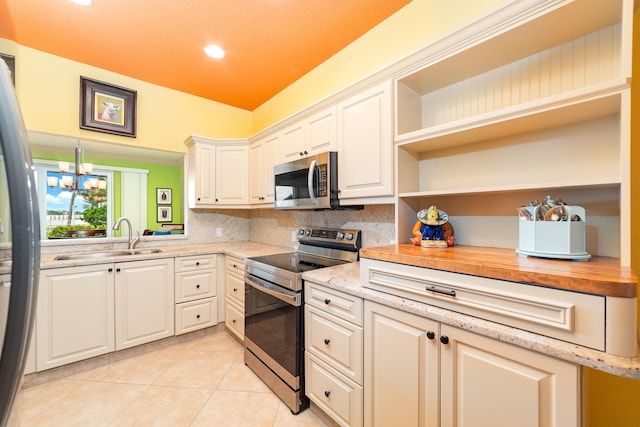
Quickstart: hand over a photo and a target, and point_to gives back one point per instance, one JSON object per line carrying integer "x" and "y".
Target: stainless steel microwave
{"x": 309, "y": 183}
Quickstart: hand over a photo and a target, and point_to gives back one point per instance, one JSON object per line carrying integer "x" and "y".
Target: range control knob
{"x": 308, "y": 233}
{"x": 301, "y": 232}
{"x": 340, "y": 235}
{"x": 349, "y": 236}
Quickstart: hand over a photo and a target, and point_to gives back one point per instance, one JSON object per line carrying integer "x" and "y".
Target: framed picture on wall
{"x": 107, "y": 108}
{"x": 163, "y": 196}
{"x": 11, "y": 63}
{"x": 164, "y": 214}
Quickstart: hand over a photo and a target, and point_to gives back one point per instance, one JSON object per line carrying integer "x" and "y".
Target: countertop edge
{"x": 346, "y": 278}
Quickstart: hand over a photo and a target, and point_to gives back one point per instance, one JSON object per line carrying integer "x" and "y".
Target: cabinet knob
{"x": 197, "y": 316}
{"x": 327, "y": 341}
{"x": 444, "y": 339}
{"x": 197, "y": 262}
{"x": 216, "y": 200}
{"x": 235, "y": 265}
{"x": 234, "y": 321}
{"x": 327, "y": 301}
{"x": 306, "y": 152}
{"x": 198, "y": 198}
{"x": 301, "y": 153}
{"x": 431, "y": 335}
{"x": 109, "y": 269}
{"x": 327, "y": 393}
{"x": 235, "y": 289}
{"x": 197, "y": 286}
{"x": 117, "y": 270}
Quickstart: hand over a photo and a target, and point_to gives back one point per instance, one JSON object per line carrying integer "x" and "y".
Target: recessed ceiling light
{"x": 214, "y": 51}
{"x": 83, "y": 2}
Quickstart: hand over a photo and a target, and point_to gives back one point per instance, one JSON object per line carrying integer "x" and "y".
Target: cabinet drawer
{"x": 335, "y": 394}
{"x": 234, "y": 264}
{"x": 234, "y": 288}
{"x": 195, "y": 285}
{"x": 345, "y": 306}
{"x": 234, "y": 318}
{"x": 194, "y": 315}
{"x": 571, "y": 316}
{"x": 197, "y": 262}
{"x": 335, "y": 341}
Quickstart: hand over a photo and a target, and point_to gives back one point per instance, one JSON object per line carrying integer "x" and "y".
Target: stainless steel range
{"x": 274, "y": 338}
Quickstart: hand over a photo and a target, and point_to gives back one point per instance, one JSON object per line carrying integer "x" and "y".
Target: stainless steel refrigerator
{"x": 19, "y": 248}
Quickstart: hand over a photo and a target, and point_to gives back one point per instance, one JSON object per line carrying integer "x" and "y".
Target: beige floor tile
{"x": 143, "y": 369}
{"x": 306, "y": 418}
{"x": 197, "y": 369}
{"x": 221, "y": 341}
{"x": 238, "y": 409}
{"x": 91, "y": 404}
{"x": 241, "y": 378}
{"x": 35, "y": 400}
{"x": 163, "y": 406}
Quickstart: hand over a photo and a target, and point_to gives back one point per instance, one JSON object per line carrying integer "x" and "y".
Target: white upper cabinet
{"x": 262, "y": 159}
{"x": 365, "y": 144}
{"x": 311, "y": 135}
{"x": 218, "y": 172}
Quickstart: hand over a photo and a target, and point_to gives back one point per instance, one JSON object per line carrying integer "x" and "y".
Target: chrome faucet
{"x": 132, "y": 242}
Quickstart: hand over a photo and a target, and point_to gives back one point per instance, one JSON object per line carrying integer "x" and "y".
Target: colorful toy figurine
{"x": 433, "y": 230}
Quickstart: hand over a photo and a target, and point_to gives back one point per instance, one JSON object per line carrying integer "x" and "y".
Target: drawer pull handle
{"x": 447, "y": 292}
{"x": 327, "y": 393}
{"x": 327, "y": 301}
{"x": 327, "y": 341}
{"x": 431, "y": 335}
{"x": 444, "y": 339}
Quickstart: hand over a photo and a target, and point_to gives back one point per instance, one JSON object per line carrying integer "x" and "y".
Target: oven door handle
{"x": 312, "y": 169}
{"x": 292, "y": 298}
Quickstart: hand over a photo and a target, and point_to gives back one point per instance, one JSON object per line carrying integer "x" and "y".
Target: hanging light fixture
{"x": 77, "y": 180}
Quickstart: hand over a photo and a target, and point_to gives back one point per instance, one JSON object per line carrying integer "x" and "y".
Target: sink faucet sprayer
{"x": 132, "y": 242}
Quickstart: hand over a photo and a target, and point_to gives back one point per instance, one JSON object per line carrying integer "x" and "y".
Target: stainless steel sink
{"x": 106, "y": 254}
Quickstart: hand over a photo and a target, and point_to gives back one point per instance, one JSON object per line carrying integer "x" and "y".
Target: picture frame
{"x": 107, "y": 108}
{"x": 10, "y": 60}
{"x": 164, "y": 214}
{"x": 163, "y": 196}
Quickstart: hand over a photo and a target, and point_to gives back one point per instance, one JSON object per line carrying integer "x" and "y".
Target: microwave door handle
{"x": 312, "y": 169}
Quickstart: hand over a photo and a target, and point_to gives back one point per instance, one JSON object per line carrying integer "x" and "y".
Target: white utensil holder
{"x": 554, "y": 239}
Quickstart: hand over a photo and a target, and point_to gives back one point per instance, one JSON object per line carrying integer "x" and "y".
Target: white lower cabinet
{"x": 333, "y": 353}
{"x": 195, "y": 292}
{"x": 234, "y": 296}
{"x": 419, "y": 372}
{"x": 75, "y": 314}
{"x": 144, "y": 302}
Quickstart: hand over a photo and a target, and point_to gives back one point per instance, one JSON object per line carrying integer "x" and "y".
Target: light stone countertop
{"x": 346, "y": 278}
{"x": 236, "y": 249}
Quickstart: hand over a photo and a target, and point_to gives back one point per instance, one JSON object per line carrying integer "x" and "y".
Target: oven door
{"x": 273, "y": 327}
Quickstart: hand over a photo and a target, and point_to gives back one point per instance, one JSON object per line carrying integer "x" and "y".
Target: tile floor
{"x": 202, "y": 382}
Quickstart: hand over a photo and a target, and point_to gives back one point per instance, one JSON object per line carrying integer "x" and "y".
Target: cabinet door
{"x": 365, "y": 144}
{"x": 321, "y": 131}
{"x": 401, "y": 368}
{"x": 144, "y": 305}
{"x": 270, "y": 157}
{"x": 75, "y": 315}
{"x": 489, "y": 383}
{"x": 232, "y": 185}
{"x": 292, "y": 143}
{"x": 256, "y": 172}
{"x": 201, "y": 175}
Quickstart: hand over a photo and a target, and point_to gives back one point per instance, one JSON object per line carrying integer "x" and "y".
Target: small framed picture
{"x": 164, "y": 214}
{"x": 163, "y": 196}
{"x": 107, "y": 108}
{"x": 11, "y": 64}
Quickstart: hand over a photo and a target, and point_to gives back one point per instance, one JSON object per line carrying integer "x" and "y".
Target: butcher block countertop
{"x": 599, "y": 275}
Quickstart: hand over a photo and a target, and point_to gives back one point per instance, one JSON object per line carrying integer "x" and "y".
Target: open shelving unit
{"x": 533, "y": 99}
